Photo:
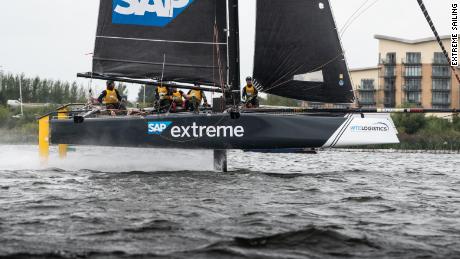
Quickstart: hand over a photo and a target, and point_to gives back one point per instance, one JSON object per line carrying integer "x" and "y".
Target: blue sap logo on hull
{"x": 157, "y": 13}
{"x": 157, "y": 127}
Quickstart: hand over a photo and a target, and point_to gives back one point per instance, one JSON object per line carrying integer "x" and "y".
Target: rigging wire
{"x": 353, "y": 15}
{"x": 346, "y": 27}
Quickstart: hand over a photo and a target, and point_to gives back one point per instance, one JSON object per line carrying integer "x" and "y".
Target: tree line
{"x": 38, "y": 90}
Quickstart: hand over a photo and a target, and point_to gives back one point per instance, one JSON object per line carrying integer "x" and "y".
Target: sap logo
{"x": 377, "y": 127}
{"x": 156, "y": 128}
{"x": 147, "y": 12}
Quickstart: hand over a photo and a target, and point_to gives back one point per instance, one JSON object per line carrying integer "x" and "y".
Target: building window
{"x": 413, "y": 84}
{"x": 441, "y": 84}
{"x": 390, "y": 94}
{"x": 390, "y": 84}
{"x": 414, "y": 97}
{"x": 440, "y": 58}
{"x": 367, "y": 92}
{"x": 413, "y": 89}
{"x": 390, "y": 71}
{"x": 441, "y": 99}
{"x": 441, "y": 71}
{"x": 413, "y": 71}
{"x": 413, "y": 58}
{"x": 390, "y": 59}
{"x": 367, "y": 84}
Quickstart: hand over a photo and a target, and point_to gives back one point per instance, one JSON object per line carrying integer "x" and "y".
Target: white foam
{"x": 107, "y": 159}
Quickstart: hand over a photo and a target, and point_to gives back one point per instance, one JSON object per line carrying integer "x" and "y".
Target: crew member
{"x": 194, "y": 99}
{"x": 163, "y": 96}
{"x": 111, "y": 97}
{"x": 250, "y": 94}
{"x": 177, "y": 97}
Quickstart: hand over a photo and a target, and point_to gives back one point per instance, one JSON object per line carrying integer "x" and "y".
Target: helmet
{"x": 110, "y": 82}
{"x": 248, "y": 78}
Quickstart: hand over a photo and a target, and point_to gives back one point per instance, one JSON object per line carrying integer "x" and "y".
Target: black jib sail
{"x": 298, "y": 53}
{"x": 173, "y": 40}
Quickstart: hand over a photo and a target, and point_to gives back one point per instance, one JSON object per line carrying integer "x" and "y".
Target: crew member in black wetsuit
{"x": 111, "y": 97}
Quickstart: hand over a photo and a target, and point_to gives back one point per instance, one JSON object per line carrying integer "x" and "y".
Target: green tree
{"x": 409, "y": 123}
{"x": 149, "y": 94}
{"x": 122, "y": 89}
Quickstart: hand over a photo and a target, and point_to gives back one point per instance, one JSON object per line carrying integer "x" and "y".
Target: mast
{"x": 233, "y": 53}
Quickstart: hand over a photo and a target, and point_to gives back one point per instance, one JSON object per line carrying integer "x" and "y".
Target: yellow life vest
{"x": 177, "y": 96}
{"x": 111, "y": 97}
{"x": 163, "y": 92}
{"x": 197, "y": 94}
{"x": 250, "y": 91}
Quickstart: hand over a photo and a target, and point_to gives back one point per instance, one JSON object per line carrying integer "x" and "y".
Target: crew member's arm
{"x": 256, "y": 92}
{"x": 102, "y": 96}
{"x": 244, "y": 92}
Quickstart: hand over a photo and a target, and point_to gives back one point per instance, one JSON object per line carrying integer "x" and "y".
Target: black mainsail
{"x": 298, "y": 53}
{"x": 173, "y": 40}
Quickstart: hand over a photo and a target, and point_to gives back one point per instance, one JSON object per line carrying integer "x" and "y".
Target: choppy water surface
{"x": 106, "y": 203}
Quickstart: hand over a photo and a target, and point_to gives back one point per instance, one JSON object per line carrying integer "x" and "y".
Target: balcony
{"x": 412, "y": 62}
{"x": 441, "y": 76}
{"x": 412, "y": 76}
{"x": 389, "y": 73}
{"x": 412, "y": 88}
{"x": 441, "y": 103}
{"x": 366, "y": 89}
{"x": 367, "y": 102}
{"x": 441, "y": 90}
{"x": 389, "y": 89}
{"x": 415, "y": 102}
{"x": 440, "y": 62}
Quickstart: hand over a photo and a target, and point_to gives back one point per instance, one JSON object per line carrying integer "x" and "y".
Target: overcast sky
{"x": 52, "y": 38}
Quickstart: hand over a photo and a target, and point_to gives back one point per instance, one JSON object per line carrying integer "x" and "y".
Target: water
{"x": 131, "y": 203}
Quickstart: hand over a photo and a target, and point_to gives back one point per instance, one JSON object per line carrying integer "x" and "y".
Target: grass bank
{"x": 417, "y": 132}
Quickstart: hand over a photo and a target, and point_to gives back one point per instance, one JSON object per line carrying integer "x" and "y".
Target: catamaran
{"x": 298, "y": 54}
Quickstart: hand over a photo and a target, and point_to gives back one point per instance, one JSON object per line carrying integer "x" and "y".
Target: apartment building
{"x": 412, "y": 72}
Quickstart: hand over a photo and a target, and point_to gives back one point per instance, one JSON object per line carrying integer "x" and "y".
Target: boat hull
{"x": 205, "y": 131}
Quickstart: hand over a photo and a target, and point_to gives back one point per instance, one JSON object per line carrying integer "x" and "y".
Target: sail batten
{"x": 162, "y": 40}
{"x": 167, "y": 39}
{"x": 297, "y": 39}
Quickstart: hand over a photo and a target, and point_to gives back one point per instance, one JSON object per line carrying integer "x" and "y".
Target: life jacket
{"x": 177, "y": 96}
{"x": 250, "y": 90}
{"x": 197, "y": 94}
{"x": 111, "y": 97}
{"x": 163, "y": 92}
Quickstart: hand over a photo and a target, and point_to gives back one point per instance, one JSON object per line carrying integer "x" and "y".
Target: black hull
{"x": 203, "y": 131}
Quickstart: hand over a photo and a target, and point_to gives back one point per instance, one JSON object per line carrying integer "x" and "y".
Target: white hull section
{"x": 373, "y": 129}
